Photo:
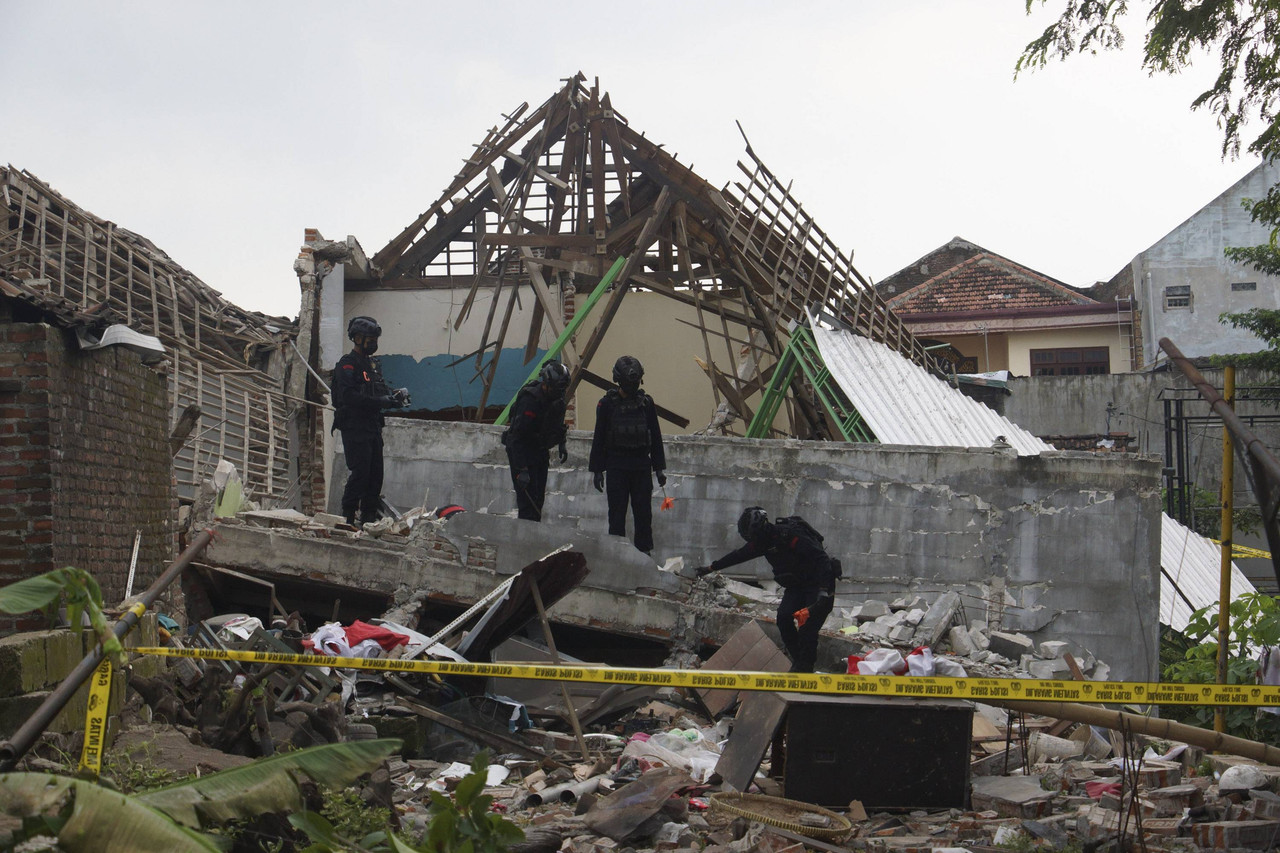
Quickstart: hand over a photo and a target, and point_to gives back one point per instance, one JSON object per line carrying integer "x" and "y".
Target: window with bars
{"x": 1070, "y": 361}
{"x": 1177, "y": 296}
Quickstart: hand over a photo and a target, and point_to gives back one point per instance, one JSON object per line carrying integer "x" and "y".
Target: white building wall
{"x": 1192, "y": 255}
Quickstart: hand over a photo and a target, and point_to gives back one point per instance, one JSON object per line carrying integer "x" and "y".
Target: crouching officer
{"x": 626, "y": 452}
{"x": 803, "y": 569}
{"x": 537, "y": 425}
{"x": 359, "y": 396}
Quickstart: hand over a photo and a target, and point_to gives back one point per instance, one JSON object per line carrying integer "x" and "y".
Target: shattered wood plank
{"x": 395, "y": 250}
{"x": 754, "y": 726}
{"x": 554, "y": 241}
{"x": 663, "y": 412}
{"x": 552, "y": 313}
{"x": 748, "y": 650}
{"x": 647, "y": 236}
{"x": 728, "y": 389}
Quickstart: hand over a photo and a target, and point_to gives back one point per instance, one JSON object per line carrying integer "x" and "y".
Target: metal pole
{"x": 22, "y": 740}
{"x": 1224, "y": 578}
{"x": 1266, "y": 468}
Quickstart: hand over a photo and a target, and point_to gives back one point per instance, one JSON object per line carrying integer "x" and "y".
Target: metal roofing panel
{"x": 1191, "y": 566}
{"x": 904, "y": 404}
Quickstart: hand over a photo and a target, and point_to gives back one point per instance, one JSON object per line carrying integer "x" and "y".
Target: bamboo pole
{"x": 1224, "y": 578}
{"x": 1119, "y": 721}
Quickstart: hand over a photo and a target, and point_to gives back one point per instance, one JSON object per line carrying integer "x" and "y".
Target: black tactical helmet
{"x": 753, "y": 524}
{"x": 554, "y": 374}
{"x": 366, "y": 326}
{"x": 628, "y": 370}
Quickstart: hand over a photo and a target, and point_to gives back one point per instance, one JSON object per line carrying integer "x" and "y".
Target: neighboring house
{"x": 86, "y": 470}
{"x": 1183, "y": 282}
{"x": 983, "y": 312}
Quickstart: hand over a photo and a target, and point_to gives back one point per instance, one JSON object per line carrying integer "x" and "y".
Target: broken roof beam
{"x": 647, "y": 236}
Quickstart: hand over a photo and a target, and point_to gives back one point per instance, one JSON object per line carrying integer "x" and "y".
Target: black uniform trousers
{"x": 363, "y": 492}
{"x": 802, "y": 643}
{"x": 623, "y": 487}
{"x": 529, "y": 499}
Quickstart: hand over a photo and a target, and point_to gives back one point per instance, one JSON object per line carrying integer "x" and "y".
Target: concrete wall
{"x": 1192, "y": 254}
{"x": 656, "y": 329}
{"x": 1061, "y": 546}
{"x": 1077, "y": 405}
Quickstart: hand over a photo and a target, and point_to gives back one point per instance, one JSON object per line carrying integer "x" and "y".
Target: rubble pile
{"x": 585, "y": 767}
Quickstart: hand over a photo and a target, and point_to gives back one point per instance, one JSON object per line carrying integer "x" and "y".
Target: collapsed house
{"x": 957, "y": 529}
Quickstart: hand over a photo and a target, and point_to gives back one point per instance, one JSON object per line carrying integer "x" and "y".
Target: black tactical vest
{"x": 629, "y": 422}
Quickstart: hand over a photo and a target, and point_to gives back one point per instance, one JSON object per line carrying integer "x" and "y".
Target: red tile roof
{"x": 985, "y": 282}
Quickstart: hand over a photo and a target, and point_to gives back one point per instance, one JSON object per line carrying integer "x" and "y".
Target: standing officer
{"x": 537, "y": 425}
{"x": 359, "y": 396}
{"x": 801, "y": 566}
{"x": 626, "y": 447}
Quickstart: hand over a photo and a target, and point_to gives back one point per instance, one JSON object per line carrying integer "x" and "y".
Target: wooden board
{"x": 748, "y": 650}
{"x": 757, "y": 722}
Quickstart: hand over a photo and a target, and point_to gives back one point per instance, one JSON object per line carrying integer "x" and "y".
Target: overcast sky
{"x": 220, "y": 130}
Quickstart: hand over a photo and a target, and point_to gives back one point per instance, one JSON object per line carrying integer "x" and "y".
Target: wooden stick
{"x": 555, "y": 658}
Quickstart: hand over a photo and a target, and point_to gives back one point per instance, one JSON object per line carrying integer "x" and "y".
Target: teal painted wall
{"x": 434, "y": 385}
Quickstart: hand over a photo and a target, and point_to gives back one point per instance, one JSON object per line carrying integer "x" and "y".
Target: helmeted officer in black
{"x": 801, "y": 566}
{"x": 626, "y": 448}
{"x": 537, "y": 425}
{"x": 359, "y": 396}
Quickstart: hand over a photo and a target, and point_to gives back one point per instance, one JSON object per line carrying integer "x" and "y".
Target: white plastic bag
{"x": 920, "y": 662}
{"x": 881, "y": 662}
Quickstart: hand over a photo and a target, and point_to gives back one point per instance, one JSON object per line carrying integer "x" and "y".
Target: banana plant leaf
{"x": 268, "y": 784}
{"x": 89, "y": 818}
{"x": 31, "y": 593}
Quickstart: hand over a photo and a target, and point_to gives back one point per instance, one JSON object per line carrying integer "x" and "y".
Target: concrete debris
{"x": 652, "y": 754}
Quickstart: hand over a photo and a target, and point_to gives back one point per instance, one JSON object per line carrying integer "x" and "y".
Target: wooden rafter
{"x": 550, "y": 199}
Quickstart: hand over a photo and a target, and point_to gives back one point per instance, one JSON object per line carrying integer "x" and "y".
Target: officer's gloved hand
{"x": 564, "y": 453}
{"x": 523, "y": 479}
{"x": 401, "y": 396}
{"x": 598, "y": 481}
{"x": 703, "y": 570}
{"x": 662, "y": 478}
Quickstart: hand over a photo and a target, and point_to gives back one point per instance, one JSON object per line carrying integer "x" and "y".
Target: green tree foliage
{"x": 1263, "y": 322}
{"x": 1192, "y": 658}
{"x": 1243, "y": 36}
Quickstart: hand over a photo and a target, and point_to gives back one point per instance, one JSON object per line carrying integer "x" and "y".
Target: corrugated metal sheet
{"x": 904, "y": 404}
{"x": 1192, "y": 565}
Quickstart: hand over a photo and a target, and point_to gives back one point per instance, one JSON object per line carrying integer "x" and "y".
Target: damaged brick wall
{"x": 88, "y": 464}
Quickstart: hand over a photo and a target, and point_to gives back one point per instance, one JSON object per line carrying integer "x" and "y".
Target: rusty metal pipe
{"x": 13, "y": 749}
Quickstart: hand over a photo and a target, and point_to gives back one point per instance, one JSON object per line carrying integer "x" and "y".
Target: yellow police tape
{"x": 95, "y": 718}
{"x": 918, "y": 687}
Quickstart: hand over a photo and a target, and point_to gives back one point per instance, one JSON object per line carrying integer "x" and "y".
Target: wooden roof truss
{"x": 551, "y": 197}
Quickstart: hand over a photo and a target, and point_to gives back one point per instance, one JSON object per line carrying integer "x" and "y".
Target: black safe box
{"x": 886, "y": 753}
